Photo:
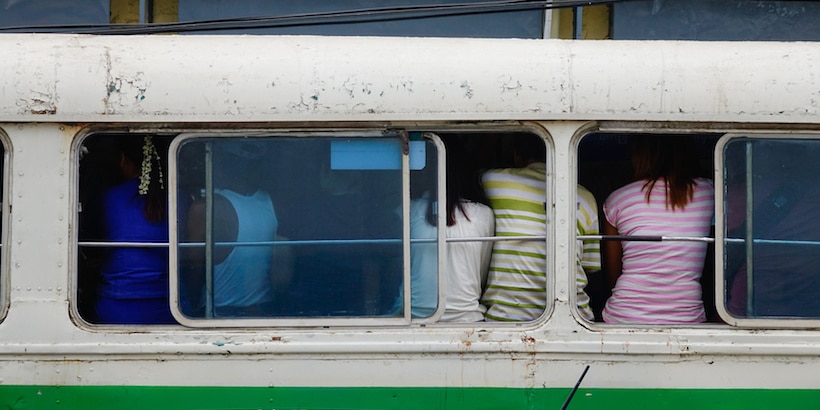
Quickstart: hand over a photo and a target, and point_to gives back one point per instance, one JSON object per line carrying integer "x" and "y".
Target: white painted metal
{"x": 260, "y": 78}
{"x": 57, "y": 88}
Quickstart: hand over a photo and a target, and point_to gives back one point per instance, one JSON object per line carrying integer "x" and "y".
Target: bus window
{"x": 316, "y": 229}
{"x": 3, "y": 215}
{"x": 770, "y": 195}
{"x": 494, "y": 217}
{"x": 123, "y": 236}
{"x": 301, "y": 229}
{"x": 650, "y": 189}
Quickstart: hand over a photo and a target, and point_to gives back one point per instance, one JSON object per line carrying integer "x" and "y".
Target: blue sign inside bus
{"x": 374, "y": 155}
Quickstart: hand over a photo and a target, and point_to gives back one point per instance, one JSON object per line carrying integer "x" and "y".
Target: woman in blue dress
{"x": 134, "y": 280}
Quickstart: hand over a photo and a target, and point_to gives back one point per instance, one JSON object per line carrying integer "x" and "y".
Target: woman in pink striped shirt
{"x": 658, "y": 282}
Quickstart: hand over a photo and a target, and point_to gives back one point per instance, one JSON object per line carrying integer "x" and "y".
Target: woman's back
{"x": 133, "y": 272}
{"x": 468, "y": 262}
{"x": 660, "y": 281}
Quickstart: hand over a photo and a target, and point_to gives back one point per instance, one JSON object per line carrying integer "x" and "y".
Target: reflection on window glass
{"x": 723, "y": 20}
{"x": 772, "y": 197}
{"x": 280, "y": 227}
{"x": 436, "y": 23}
{"x": 423, "y": 246}
{"x": 53, "y": 12}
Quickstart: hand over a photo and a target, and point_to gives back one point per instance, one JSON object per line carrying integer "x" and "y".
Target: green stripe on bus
{"x": 478, "y": 398}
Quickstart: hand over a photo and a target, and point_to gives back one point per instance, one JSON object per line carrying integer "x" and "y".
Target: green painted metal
{"x": 290, "y": 398}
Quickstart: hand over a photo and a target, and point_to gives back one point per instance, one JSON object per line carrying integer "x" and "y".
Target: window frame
{"x": 308, "y": 321}
{"x": 628, "y": 133}
{"x": 75, "y": 284}
{"x": 5, "y": 231}
{"x": 720, "y": 237}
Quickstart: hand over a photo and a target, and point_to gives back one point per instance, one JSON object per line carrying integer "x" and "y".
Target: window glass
{"x": 756, "y": 20}
{"x": 771, "y": 257}
{"x": 295, "y": 228}
{"x": 386, "y": 18}
{"x": 53, "y": 12}
{"x": 311, "y": 229}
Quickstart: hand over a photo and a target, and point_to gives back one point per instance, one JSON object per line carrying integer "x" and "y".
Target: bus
{"x": 339, "y": 133}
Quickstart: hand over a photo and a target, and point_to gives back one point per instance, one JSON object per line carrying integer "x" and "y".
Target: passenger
{"x": 242, "y": 212}
{"x": 134, "y": 288}
{"x": 516, "y": 287}
{"x": 467, "y": 262}
{"x": 658, "y": 282}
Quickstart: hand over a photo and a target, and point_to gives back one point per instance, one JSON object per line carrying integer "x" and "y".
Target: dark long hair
{"x": 155, "y": 205}
{"x": 671, "y": 158}
{"x": 462, "y": 182}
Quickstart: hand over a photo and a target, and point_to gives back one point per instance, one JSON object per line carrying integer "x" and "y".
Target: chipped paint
{"x": 146, "y": 81}
{"x": 468, "y": 91}
{"x": 336, "y": 79}
{"x": 125, "y": 93}
{"x": 38, "y": 103}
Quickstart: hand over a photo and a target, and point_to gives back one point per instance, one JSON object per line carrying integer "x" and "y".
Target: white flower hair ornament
{"x": 149, "y": 152}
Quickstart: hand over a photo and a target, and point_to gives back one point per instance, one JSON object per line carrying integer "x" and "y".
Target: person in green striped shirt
{"x": 516, "y": 284}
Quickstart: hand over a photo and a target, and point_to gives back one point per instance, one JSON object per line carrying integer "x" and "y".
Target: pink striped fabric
{"x": 660, "y": 282}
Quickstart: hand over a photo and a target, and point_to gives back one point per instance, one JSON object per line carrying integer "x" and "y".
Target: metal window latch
{"x": 405, "y": 142}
